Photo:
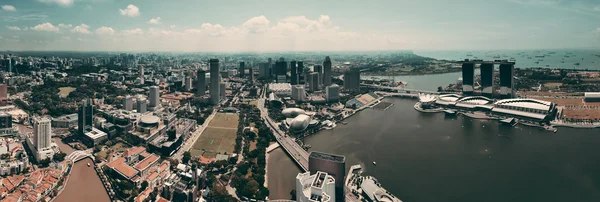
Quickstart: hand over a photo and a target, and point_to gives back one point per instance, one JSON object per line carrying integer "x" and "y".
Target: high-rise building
{"x": 319, "y": 69}
{"x": 300, "y": 72}
{"x": 85, "y": 116}
{"x": 327, "y": 71}
{"x": 128, "y": 103}
{"x": 3, "y": 91}
{"x": 142, "y": 74}
{"x": 42, "y": 133}
{"x": 222, "y": 88}
{"x": 316, "y": 187}
{"x": 507, "y": 82}
{"x": 468, "y": 76}
{"x": 251, "y": 74}
{"x": 10, "y": 64}
{"x": 154, "y": 97}
{"x": 298, "y": 93}
{"x": 313, "y": 83}
{"x": 200, "y": 82}
{"x": 214, "y": 81}
{"x": 352, "y": 80}
{"x": 263, "y": 70}
{"x": 487, "y": 79}
{"x": 241, "y": 70}
{"x": 188, "y": 83}
{"x": 281, "y": 70}
{"x": 141, "y": 105}
{"x": 294, "y": 73}
{"x": 332, "y": 164}
{"x": 333, "y": 93}
{"x": 271, "y": 71}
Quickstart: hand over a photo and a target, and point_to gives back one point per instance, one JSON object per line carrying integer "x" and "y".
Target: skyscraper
{"x": 327, "y": 71}
{"x": 319, "y": 70}
{"x": 3, "y": 91}
{"x": 222, "y": 88}
{"x": 241, "y": 70}
{"x": 334, "y": 165}
{"x": 468, "y": 74}
{"x": 251, "y": 73}
{"x": 42, "y": 132}
{"x": 141, "y": 105}
{"x": 154, "y": 96}
{"x": 300, "y": 72}
{"x": 316, "y": 187}
{"x": 214, "y": 81}
{"x": 298, "y": 93}
{"x": 294, "y": 73}
{"x": 263, "y": 70}
{"x": 188, "y": 83}
{"x": 313, "y": 83}
{"x": 200, "y": 82}
{"x": 507, "y": 83}
{"x": 333, "y": 93}
{"x": 128, "y": 103}
{"x": 142, "y": 74}
{"x": 281, "y": 70}
{"x": 352, "y": 80}
{"x": 487, "y": 79}
{"x": 85, "y": 116}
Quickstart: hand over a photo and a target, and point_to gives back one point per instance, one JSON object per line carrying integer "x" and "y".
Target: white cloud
{"x": 136, "y": 31}
{"x": 45, "y": 27}
{"x": 154, "y": 21}
{"x": 83, "y": 29}
{"x": 25, "y": 28}
{"x": 1, "y": 37}
{"x": 131, "y": 11}
{"x": 65, "y": 38}
{"x": 80, "y": 39}
{"x": 65, "y": 26}
{"x": 172, "y": 26}
{"x": 88, "y": 7}
{"x": 59, "y": 2}
{"x": 105, "y": 31}
{"x": 9, "y": 8}
{"x": 13, "y": 28}
{"x": 257, "y": 24}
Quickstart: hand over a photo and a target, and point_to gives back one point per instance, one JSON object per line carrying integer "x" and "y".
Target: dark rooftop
{"x": 326, "y": 156}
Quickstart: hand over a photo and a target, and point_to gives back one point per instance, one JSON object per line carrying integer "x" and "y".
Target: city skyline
{"x": 252, "y": 26}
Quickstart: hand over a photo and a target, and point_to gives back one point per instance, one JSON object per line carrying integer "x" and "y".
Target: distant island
{"x": 408, "y": 63}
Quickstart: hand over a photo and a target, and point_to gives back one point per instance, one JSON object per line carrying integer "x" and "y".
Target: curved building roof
{"x": 149, "y": 119}
{"x": 526, "y": 103}
{"x": 427, "y": 98}
{"x": 476, "y": 100}
{"x": 448, "y": 99}
{"x": 292, "y": 112}
{"x": 300, "y": 123}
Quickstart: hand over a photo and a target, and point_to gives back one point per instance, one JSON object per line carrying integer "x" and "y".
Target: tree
{"x": 440, "y": 89}
{"x": 59, "y": 156}
{"x": 186, "y": 157}
{"x": 144, "y": 185}
{"x": 250, "y": 189}
{"x": 293, "y": 193}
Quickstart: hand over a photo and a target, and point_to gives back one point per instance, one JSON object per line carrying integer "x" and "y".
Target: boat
{"x": 374, "y": 163}
{"x": 577, "y": 63}
{"x": 88, "y": 164}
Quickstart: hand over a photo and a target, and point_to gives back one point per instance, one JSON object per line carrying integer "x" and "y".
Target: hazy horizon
{"x": 305, "y": 26}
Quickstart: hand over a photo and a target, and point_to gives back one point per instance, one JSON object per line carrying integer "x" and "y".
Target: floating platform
{"x": 449, "y": 112}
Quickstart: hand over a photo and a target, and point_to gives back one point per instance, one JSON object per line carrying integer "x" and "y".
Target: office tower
{"x": 281, "y": 70}
{"x": 313, "y": 83}
{"x": 334, "y": 165}
{"x": 85, "y": 116}
{"x": 3, "y": 91}
{"x": 154, "y": 96}
{"x": 298, "y": 93}
{"x": 222, "y": 89}
{"x": 263, "y": 70}
{"x": 142, "y": 74}
{"x": 128, "y": 103}
{"x": 300, "y": 72}
{"x": 319, "y": 69}
{"x": 327, "y": 71}
{"x": 487, "y": 79}
{"x": 200, "y": 82}
{"x": 251, "y": 73}
{"x": 188, "y": 83}
{"x": 141, "y": 105}
{"x": 241, "y": 70}
{"x": 468, "y": 74}
{"x": 333, "y": 93}
{"x": 352, "y": 80}
{"x": 294, "y": 73}
{"x": 10, "y": 63}
{"x": 317, "y": 187}
{"x": 5, "y": 120}
{"x": 507, "y": 83}
{"x": 271, "y": 72}
{"x": 42, "y": 132}
{"x": 214, "y": 81}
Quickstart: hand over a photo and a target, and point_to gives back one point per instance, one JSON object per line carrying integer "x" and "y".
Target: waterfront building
{"x": 141, "y": 105}
{"x": 352, "y": 80}
{"x": 85, "y": 116}
{"x": 507, "y": 82}
{"x": 214, "y": 81}
{"x": 333, "y": 93}
{"x": 447, "y": 99}
{"x": 480, "y": 103}
{"x": 316, "y": 187}
{"x": 200, "y": 82}
{"x": 298, "y": 93}
{"x": 468, "y": 77}
{"x": 313, "y": 85}
{"x": 65, "y": 121}
{"x": 134, "y": 165}
{"x": 293, "y": 73}
{"x": 154, "y": 97}
{"x": 374, "y": 192}
{"x": 427, "y": 100}
{"x": 95, "y": 136}
{"x": 327, "y": 71}
{"x": 525, "y": 108}
{"x": 42, "y": 138}
{"x": 332, "y": 164}
{"x": 241, "y": 71}
{"x": 592, "y": 97}
{"x": 487, "y": 79}
{"x": 299, "y": 123}
{"x": 292, "y": 112}
{"x": 128, "y": 103}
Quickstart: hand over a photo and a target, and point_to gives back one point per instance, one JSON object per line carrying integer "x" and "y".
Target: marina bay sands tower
{"x": 468, "y": 76}
{"x": 487, "y": 79}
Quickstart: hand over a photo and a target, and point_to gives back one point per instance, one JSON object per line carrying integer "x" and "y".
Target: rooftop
{"x": 122, "y": 168}
{"x": 326, "y": 156}
{"x": 143, "y": 165}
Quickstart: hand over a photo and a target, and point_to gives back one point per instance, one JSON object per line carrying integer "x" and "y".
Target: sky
{"x": 290, "y": 25}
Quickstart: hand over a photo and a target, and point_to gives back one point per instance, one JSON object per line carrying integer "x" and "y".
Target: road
{"x": 192, "y": 139}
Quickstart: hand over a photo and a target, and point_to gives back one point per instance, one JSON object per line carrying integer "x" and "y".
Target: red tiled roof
{"x": 122, "y": 168}
{"x": 152, "y": 177}
{"x": 143, "y": 165}
{"x": 161, "y": 199}
{"x": 164, "y": 166}
{"x": 134, "y": 150}
{"x": 11, "y": 198}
